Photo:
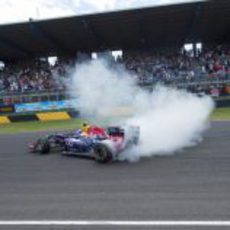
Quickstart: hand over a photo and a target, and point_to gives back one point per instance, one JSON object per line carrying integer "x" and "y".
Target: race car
{"x": 104, "y": 145}
{"x": 50, "y": 142}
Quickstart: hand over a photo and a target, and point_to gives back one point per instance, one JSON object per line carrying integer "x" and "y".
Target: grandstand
{"x": 151, "y": 40}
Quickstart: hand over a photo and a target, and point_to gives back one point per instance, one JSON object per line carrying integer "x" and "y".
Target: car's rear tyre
{"x": 43, "y": 146}
{"x": 102, "y": 154}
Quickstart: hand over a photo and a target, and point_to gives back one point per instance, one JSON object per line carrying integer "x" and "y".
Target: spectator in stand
{"x": 167, "y": 67}
{"x": 36, "y": 78}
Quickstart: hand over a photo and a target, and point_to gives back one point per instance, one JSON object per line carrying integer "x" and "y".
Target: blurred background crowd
{"x": 205, "y": 72}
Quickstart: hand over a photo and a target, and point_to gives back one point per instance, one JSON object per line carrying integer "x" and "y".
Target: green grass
{"x": 33, "y": 126}
{"x": 221, "y": 114}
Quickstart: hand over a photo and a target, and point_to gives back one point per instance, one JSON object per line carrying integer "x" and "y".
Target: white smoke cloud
{"x": 99, "y": 89}
{"x": 169, "y": 119}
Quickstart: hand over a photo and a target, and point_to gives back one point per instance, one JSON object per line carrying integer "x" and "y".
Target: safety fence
{"x": 48, "y": 106}
{"x": 32, "y": 97}
{"x": 38, "y": 106}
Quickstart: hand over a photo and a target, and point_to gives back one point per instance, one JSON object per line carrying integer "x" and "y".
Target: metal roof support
{"x": 39, "y": 32}
{"x": 141, "y": 35}
{"x": 194, "y": 21}
{"x": 89, "y": 28}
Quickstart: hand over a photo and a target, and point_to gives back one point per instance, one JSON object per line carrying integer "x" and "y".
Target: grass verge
{"x": 221, "y": 114}
{"x": 33, "y": 126}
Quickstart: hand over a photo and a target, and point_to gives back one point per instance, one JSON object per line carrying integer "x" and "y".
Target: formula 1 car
{"x": 49, "y": 142}
{"x": 104, "y": 145}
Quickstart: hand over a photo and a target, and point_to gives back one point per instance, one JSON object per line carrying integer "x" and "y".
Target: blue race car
{"x": 103, "y": 148}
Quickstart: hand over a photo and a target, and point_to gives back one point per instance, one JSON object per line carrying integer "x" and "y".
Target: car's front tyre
{"x": 43, "y": 146}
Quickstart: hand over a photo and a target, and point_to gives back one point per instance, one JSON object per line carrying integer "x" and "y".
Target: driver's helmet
{"x": 85, "y": 127}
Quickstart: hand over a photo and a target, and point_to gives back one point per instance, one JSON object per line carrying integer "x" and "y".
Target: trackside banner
{"x": 6, "y": 109}
{"x": 45, "y": 106}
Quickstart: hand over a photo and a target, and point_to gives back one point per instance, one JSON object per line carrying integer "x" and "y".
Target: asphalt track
{"x": 191, "y": 185}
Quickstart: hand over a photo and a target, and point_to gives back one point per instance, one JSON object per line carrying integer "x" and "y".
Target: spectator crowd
{"x": 169, "y": 68}
{"x": 33, "y": 77}
{"x": 183, "y": 67}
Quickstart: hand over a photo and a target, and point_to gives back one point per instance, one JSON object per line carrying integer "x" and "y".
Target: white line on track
{"x": 113, "y": 223}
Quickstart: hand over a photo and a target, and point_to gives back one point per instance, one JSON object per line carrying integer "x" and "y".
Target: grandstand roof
{"x": 171, "y": 25}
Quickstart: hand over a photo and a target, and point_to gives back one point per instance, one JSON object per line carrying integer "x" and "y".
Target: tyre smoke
{"x": 169, "y": 119}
